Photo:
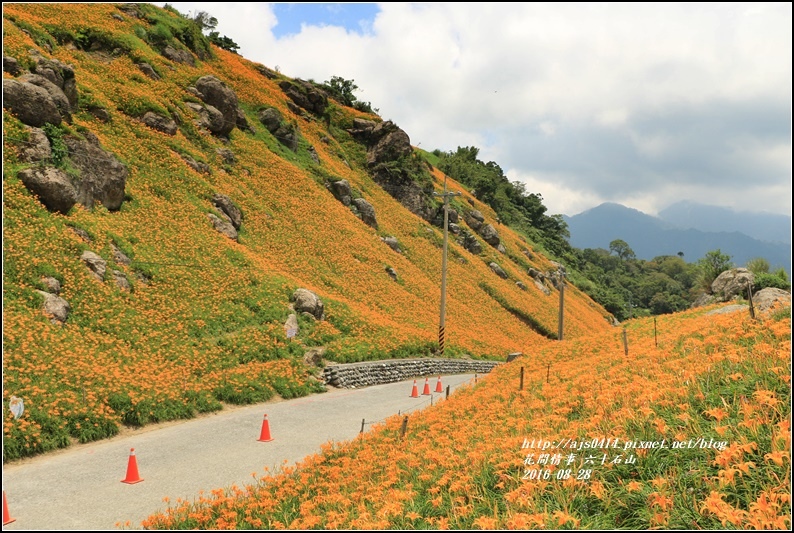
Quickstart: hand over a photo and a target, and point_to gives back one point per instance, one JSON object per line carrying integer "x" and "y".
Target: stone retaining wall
{"x": 356, "y": 375}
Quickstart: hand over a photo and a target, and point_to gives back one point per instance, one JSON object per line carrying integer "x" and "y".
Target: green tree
{"x": 342, "y": 90}
{"x": 622, "y": 249}
{"x": 205, "y": 21}
{"x": 712, "y": 265}
{"x": 223, "y": 42}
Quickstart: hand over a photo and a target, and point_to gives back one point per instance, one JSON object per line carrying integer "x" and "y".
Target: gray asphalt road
{"x": 80, "y": 488}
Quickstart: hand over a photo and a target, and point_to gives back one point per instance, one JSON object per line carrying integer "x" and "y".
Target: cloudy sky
{"x": 642, "y": 104}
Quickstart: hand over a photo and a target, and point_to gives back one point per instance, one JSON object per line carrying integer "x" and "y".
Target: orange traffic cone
{"x": 426, "y": 392}
{"x": 415, "y": 391}
{"x": 264, "y": 436}
{"x": 6, "y": 516}
{"x": 439, "y": 388}
{"x": 132, "y": 469}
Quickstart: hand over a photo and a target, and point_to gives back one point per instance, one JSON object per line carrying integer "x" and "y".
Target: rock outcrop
{"x": 342, "y": 192}
{"x": 95, "y": 264}
{"x": 31, "y": 104}
{"x": 283, "y": 131}
{"x": 731, "y": 283}
{"x": 222, "y": 226}
{"x": 52, "y": 186}
{"x": 305, "y": 301}
{"x": 766, "y": 299}
{"x": 305, "y": 95}
{"x": 387, "y": 144}
{"x": 366, "y": 211}
{"x": 227, "y": 207}
{"x": 498, "y": 270}
{"x": 159, "y": 123}
{"x": 103, "y": 178}
{"x": 55, "y": 307}
{"x": 215, "y": 93}
{"x": 37, "y": 148}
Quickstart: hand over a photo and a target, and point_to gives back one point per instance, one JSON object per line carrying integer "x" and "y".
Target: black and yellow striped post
{"x": 442, "y": 320}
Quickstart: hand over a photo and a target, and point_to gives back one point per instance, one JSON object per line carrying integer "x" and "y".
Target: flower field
{"x": 203, "y": 321}
{"x": 691, "y": 430}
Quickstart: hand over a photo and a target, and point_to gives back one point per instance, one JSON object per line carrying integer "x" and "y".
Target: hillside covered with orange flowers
{"x": 156, "y": 231}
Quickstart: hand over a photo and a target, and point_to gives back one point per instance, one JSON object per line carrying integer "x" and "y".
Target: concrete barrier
{"x": 355, "y": 375}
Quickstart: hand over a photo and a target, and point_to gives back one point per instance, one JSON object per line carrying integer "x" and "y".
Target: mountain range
{"x": 686, "y": 227}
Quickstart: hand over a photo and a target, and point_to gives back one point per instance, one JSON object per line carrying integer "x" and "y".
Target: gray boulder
{"x": 521, "y": 285}
{"x": 103, "y": 178}
{"x": 393, "y": 243}
{"x": 225, "y": 204}
{"x": 212, "y": 119}
{"x": 55, "y": 307}
{"x": 179, "y": 56}
{"x": 390, "y": 143}
{"x": 119, "y": 256}
{"x": 392, "y": 273}
{"x": 148, "y": 70}
{"x": 198, "y": 166}
{"x": 305, "y": 95}
{"x": 159, "y": 123}
{"x": 313, "y": 154}
{"x": 314, "y": 356}
{"x": 37, "y": 148}
{"x": 474, "y": 219}
{"x": 52, "y": 285}
{"x": 270, "y": 118}
{"x": 242, "y": 121}
{"x": 55, "y": 92}
{"x": 60, "y": 74}
{"x": 31, "y": 104}
{"x": 121, "y": 280}
{"x": 52, "y": 186}
{"x": 541, "y": 287}
{"x": 81, "y": 234}
{"x": 100, "y": 113}
{"x": 287, "y": 135}
{"x": 498, "y": 270}
{"x": 305, "y": 301}
{"x": 95, "y": 264}
{"x": 223, "y": 226}
{"x": 490, "y": 235}
{"x": 342, "y": 192}
{"x": 764, "y": 299}
{"x": 215, "y": 93}
{"x": 227, "y": 155}
{"x": 470, "y": 242}
{"x": 11, "y": 65}
{"x": 366, "y": 211}
{"x": 731, "y": 283}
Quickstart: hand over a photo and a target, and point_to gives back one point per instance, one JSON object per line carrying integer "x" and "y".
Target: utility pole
{"x": 561, "y": 313}
{"x": 442, "y": 318}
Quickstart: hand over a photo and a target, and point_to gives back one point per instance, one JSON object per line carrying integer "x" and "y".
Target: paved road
{"x": 80, "y": 488}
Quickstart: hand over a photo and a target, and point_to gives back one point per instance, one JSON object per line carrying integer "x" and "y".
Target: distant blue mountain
{"x": 650, "y": 237}
{"x": 762, "y": 226}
